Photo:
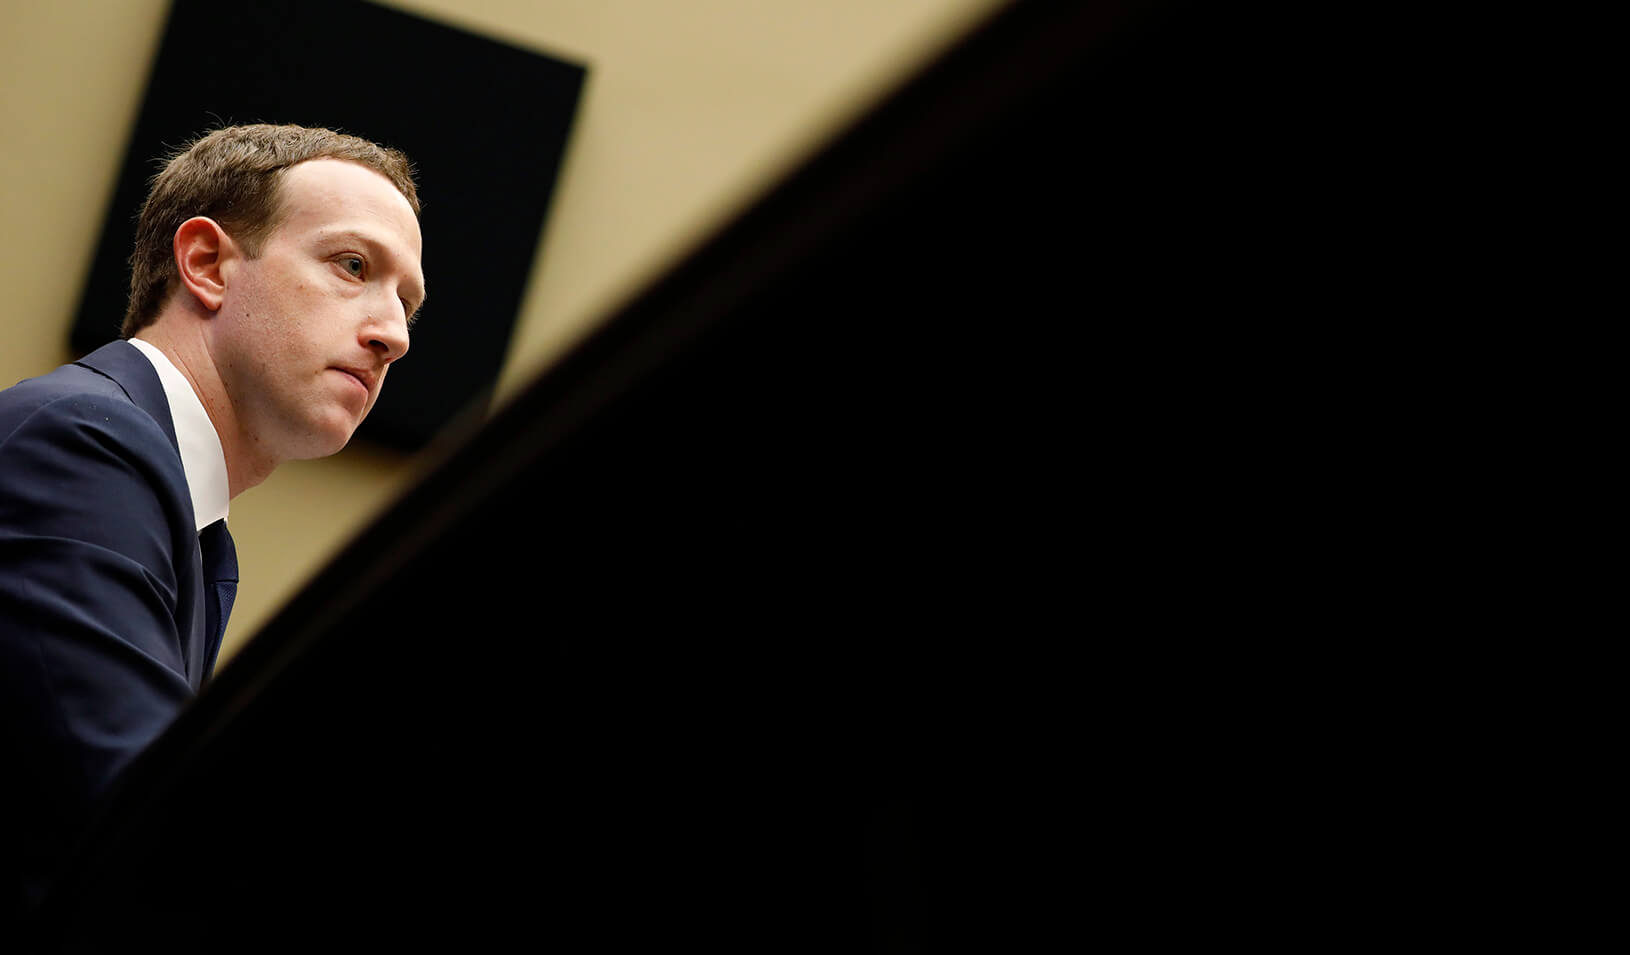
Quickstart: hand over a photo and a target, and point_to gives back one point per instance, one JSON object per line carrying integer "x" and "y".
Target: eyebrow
{"x": 379, "y": 248}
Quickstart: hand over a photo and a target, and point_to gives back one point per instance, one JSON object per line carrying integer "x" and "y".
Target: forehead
{"x": 334, "y": 195}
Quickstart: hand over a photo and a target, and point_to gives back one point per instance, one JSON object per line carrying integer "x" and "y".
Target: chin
{"x": 328, "y": 440}
{"x": 342, "y": 440}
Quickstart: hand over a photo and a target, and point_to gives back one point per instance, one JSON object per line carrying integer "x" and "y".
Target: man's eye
{"x": 352, "y": 264}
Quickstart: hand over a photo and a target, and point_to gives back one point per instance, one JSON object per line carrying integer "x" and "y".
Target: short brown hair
{"x": 232, "y": 175}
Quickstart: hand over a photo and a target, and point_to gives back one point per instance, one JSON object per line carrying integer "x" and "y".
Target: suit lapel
{"x": 130, "y": 369}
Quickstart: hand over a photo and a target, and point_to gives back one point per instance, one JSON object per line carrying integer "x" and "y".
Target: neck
{"x": 183, "y": 338}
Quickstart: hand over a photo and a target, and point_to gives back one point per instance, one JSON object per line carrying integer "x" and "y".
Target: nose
{"x": 387, "y": 335}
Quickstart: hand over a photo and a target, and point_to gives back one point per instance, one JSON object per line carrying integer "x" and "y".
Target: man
{"x": 276, "y": 272}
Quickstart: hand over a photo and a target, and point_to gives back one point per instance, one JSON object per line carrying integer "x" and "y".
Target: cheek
{"x": 266, "y": 342}
{"x": 278, "y": 321}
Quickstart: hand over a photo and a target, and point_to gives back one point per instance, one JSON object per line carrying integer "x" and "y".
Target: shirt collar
{"x": 202, "y": 459}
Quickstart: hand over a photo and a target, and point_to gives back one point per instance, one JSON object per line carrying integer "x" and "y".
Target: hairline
{"x": 278, "y": 214}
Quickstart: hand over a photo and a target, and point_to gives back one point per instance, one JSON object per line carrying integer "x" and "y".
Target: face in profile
{"x": 308, "y": 329}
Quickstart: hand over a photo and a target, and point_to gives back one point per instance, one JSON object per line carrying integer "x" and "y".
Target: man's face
{"x": 307, "y": 330}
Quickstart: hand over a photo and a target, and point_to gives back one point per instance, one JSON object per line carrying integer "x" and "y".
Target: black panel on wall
{"x": 485, "y": 123}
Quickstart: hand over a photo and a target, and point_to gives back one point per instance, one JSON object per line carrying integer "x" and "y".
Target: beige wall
{"x": 691, "y": 108}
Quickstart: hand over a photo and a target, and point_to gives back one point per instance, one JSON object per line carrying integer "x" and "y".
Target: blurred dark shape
{"x": 484, "y": 122}
{"x": 663, "y": 651}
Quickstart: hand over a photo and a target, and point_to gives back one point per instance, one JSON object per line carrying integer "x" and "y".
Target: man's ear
{"x": 201, "y": 249}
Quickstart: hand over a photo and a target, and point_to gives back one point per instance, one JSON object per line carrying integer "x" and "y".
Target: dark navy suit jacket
{"x": 110, "y": 614}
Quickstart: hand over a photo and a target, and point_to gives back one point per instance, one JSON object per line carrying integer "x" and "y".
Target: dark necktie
{"x": 220, "y": 559}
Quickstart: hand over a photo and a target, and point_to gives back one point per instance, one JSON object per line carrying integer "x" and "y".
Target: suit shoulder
{"x": 62, "y": 379}
{"x": 71, "y": 394}
{"x": 90, "y": 440}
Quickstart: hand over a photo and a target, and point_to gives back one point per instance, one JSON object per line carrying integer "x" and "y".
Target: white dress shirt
{"x": 202, "y": 459}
